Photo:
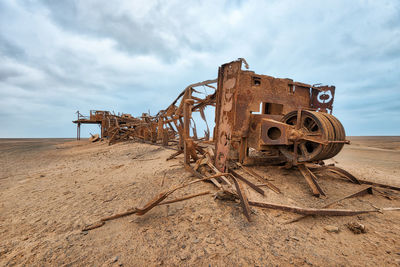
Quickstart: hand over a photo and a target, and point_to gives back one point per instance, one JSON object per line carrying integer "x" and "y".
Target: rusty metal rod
{"x": 151, "y": 204}
{"x": 185, "y": 198}
{"x": 243, "y": 198}
{"x": 253, "y": 186}
{"x": 259, "y": 177}
{"x": 310, "y": 211}
{"x": 362, "y": 192}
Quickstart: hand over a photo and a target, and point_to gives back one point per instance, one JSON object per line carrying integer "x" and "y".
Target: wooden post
{"x": 186, "y": 128}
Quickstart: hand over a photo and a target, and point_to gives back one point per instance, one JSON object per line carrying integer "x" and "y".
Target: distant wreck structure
{"x": 103, "y": 118}
{"x": 259, "y": 119}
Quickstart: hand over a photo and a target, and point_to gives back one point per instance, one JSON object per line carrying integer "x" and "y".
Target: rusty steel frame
{"x": 252, "y": 112}
{"x": 239, "y": 95}
{"x": 258, "y": 119}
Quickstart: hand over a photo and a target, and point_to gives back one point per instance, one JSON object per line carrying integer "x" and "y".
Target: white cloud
{"x": 60, "y": 56}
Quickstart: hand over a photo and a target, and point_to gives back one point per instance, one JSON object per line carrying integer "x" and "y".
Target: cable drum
{"x": 315, "y": 128}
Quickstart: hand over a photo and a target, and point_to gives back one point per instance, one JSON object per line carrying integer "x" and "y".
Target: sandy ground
{"x": 51, "y": 188}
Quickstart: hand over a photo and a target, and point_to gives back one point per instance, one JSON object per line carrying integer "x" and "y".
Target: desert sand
{"x": 51, "y": 188}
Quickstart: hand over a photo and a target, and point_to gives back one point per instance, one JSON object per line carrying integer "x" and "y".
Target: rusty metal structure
{"x": 273, "y": 115}
{"x": 259, "y": 119}
{"x": 105, "y": 119}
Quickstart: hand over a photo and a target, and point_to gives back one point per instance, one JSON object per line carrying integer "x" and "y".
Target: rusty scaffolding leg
{"x": 78, "y": 131}
{"x": 186, "y": 128}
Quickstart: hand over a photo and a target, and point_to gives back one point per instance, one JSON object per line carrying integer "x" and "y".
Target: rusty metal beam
{"x": 243, "y": 198}
{"x": 253, "y": 186}
{"x": 358, "y": 193}
{"x": 315, "y": 187}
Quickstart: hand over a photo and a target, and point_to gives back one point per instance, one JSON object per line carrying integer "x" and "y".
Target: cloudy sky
{"x": 57, "y": 57}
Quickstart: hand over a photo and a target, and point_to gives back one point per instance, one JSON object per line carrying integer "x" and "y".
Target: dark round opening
{"x": 274, "y": 133}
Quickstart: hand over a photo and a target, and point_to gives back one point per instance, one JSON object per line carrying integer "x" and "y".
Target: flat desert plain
{"x": 51, "y": 188}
